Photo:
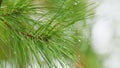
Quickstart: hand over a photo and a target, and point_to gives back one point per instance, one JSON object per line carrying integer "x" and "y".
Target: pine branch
{"x": 31, "y": 31}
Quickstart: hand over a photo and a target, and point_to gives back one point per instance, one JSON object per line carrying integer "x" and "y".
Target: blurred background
{"x": 106, "y": 32}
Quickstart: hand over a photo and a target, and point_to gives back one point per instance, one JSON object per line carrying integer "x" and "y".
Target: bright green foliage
{"x": 42, "y": 32}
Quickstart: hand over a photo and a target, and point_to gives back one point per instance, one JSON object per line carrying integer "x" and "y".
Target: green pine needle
{"x": 35, "y": 34}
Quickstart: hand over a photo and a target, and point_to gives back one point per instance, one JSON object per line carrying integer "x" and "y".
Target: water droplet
{"x": 75, "y": 3}
{"x": 79, "y": 40}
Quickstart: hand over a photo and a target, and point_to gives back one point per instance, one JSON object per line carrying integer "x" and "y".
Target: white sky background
{"x": 106, "y": 32}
